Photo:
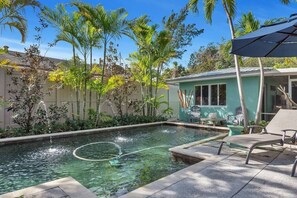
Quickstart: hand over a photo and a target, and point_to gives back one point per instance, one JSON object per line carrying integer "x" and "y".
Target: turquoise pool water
{"x": 144, "y": 158}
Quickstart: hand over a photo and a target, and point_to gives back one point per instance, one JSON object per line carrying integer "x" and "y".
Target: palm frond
{"x": 231, "y": 6}
{"x": 12, "y": 14}
{"x": 209, "y": 6}
{"x": 193, "y": 5}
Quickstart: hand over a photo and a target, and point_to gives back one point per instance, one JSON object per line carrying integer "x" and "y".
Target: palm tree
{"x": 75, "y": 31}
{"x": 144, "y": 37}
{"x": 164, "y": 51}
{"x": 230, "y": 9}
{"x": 248, "y": 24}
{"x": 12, "y": 14}
{"x": 141, "y": 74}
{"x": 80, "y": 33}
{"x": 94, "y": 37}
{"x": 63, "y": 22}
{"x": 111, "y": 25}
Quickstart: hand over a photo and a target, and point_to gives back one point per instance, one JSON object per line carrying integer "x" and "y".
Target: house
{"x": 217, "y": 91}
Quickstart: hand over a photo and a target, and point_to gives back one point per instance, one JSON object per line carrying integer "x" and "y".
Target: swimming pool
{"x": 123, "y": 160}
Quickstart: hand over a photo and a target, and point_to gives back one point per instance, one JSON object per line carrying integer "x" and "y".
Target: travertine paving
{"x": 266, "y": 175}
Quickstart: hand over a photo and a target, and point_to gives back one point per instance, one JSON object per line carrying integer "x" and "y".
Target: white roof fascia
{"x": 278, "y": 72}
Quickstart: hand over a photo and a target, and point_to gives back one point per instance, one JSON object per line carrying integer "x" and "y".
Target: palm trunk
{"x": 238, "y": 74}
{"x": 143, "y": 102}
{"x": 85, "y": 87}
{"x": 156, "y": 90}
{"x": 91, "y": 66}
{"x": 150, "y": 106}
{"x": 77, "y": 103}
{"x": 102, "y": 81}
{"x": 76, "y": 90}
{"x": 261, "y": 91}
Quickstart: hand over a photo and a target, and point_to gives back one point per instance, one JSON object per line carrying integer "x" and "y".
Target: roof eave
{"x": 267, "y": 73}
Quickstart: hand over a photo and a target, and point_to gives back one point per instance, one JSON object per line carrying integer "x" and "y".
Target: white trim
{"x": 218, "y": 94}
{"x": 278, "y": 72}
{"x": 290, "y": 84}
{"x": 209, "y": 95}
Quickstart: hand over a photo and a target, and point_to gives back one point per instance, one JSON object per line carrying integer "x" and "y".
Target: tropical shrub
{"x": 27, "y": 89}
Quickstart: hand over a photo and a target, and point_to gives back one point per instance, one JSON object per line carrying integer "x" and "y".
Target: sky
{"x": 156, "y": 10}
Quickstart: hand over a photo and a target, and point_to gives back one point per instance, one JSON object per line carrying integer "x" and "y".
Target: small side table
{"x": 235, "y": 129}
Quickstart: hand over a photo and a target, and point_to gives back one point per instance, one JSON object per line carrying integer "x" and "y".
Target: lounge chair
{"x": 281, "y": 129}
{"x": 294, "y": 167}
{"x": 194, "y": 113}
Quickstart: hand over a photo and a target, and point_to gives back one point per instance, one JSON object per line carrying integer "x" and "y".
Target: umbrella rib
{"x": 232, "y": 52}
{"x": 279, "y": 43}
{"x": 290, "y": 34}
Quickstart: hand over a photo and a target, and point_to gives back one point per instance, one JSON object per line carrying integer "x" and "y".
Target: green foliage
{"x": 182, "y": 33}
{"x": 12, "y": 15}
{"x": 155, "y": 49}
{"x": 263, "y": 123}
{"x": 211, "y": 57}
{"x": 110, "y": 25}
{"x": 26, "y": 90}
{"x": 176, "y": 71}
{"x": 72, "y": 76}
{"x": 55, "y": 114}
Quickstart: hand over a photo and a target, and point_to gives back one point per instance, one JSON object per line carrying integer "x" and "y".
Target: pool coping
{"x": 32, "y": 138}
{"x": 49, "y": 136}
{"x": 195, "y": 125}
{"x": 67, "y": 186}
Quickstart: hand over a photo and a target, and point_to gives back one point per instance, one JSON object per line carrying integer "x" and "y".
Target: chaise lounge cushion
{"x": 250, "y": 140}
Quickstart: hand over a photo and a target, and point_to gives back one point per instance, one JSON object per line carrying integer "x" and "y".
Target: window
{"x": 205, "y": 95}
{"x": 222, "y": 96}
{"x": 214, "y": 95}
{"x": 198, "y": 95}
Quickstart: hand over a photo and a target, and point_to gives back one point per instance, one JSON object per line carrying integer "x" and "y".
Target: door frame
{"x": 290, "y": 85}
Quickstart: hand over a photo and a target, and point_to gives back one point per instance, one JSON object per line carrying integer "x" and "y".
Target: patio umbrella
{"x": 275, "y": 40}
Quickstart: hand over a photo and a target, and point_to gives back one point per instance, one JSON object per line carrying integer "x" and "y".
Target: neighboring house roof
{"x": 18, "y": 58}
{"x": 231, "y": 73}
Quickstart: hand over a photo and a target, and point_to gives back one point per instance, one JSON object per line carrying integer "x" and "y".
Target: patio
{"x": 267, "y": 174}
{"x": 225, "y": 175}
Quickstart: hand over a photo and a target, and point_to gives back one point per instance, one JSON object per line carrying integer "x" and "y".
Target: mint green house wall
{"x": 250, "y": 88}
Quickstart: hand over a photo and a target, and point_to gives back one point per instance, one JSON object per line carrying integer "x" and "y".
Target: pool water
{"x": 141, "y": 157}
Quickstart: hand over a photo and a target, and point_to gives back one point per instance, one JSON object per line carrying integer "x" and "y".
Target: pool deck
{"x": 226, "y": 175}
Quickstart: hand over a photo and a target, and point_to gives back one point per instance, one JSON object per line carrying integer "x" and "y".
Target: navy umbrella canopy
{"x": 275, "y": 40}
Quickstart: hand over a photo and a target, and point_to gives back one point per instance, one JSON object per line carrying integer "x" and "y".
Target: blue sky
{"x": 155, "y": 9}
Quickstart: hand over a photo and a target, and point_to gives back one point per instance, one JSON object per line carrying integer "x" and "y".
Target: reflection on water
{"x": 123, "y": 139}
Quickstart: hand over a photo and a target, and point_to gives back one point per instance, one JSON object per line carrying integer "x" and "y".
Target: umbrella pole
{"x": 240, "y": 91}
{"x": 261, "y": 90}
